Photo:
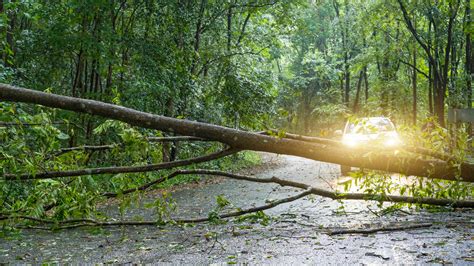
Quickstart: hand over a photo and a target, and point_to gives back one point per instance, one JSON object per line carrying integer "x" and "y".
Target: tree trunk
{"x": 430, "y": 75}
{"x": 366, "y": 83}
{"x": 414, "y": 85}
{"x": 2, "y": 32}
{"x": 344, "y": 36}
{"x": 355, "y": 108}
{"x": 197, "y": 37}
{"x": 229, "y": 27}
{"x": 341, "y": 79}
{"x": 347, "y": 76}
{"x": 346, "y": 53}
{"x": 430, "y": 89}
{"x": 469, "y": 67}
{"x": 166, "y": 147}
{"x": 11, "y": 15}
{"x": 245, "y": 140}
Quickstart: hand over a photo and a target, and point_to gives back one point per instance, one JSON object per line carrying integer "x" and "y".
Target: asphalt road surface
{"x": 297, "y": 232}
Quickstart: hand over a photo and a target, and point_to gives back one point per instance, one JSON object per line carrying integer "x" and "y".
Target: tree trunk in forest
{"x": 245, "y": 140}
{"x": 94, "y": 76}
{"x": 355, "y": 108}
{"x": 242, "y": 31}
{"x": 346, "y": 54}
{"x": 306, "y": 105}
{"x": 9, "y": 55}
{"x": 166, "y": 148}
{"x": 228, "y": 64}
{"x": 438, "y": 99}
{"x": 384, "y": 93}
{"x": 366, "y": 83}
{"x": 414, "y": 85}
{"x": 229, "y": 27}
{"x": 388, "y": 66}
{"x": 341, "y": 80}
{"x": 447, "y": 52}
{"x": 452, "y": 92}
{"x": 347, "y": 76}
{"x": 2, "y": 32}
{"x": 430, "y": 74}
{"x": 469, "y": 66}
{"x": 78, "y": 85}
{"x": 197, "y": 37}
{"x": 344, "y": 36}
{"x": 430, "y": 89}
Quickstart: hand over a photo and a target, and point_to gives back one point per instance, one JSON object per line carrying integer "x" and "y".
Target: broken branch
{"x": 68, "y": 224}
{"x": 111, "y": 146}
{"x": 314, "y": 190}
{"x": 379, "y": 229}
{"x": 122, "y": 169}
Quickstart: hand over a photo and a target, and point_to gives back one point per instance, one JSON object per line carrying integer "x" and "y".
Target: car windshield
{"x": 370, "y": 126}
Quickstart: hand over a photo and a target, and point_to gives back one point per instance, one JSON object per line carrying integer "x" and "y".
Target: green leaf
{"x": 63, "y": 136}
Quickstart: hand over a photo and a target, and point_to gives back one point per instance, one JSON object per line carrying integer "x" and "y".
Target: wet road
{"x": 297, "y": 232}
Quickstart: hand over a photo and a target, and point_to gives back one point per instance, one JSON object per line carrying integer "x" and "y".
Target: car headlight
{"x": 392, "y": 142}
{"x": 350, "y": 140}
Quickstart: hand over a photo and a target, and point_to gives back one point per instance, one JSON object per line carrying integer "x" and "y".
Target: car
{"x": 373, "y": 132}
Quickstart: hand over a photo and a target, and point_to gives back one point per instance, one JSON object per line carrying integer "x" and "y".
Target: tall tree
{"x": 442, "y": 46}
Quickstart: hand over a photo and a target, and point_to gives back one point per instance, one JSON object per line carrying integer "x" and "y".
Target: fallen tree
{"x": 242, "y": 140}
{"x": 320, "y": 149}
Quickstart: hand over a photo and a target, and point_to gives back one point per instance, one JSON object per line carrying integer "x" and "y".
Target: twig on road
{"x": 380, "y": 229}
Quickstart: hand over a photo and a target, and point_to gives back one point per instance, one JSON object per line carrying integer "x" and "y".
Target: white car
{"x": 372, "y": 132}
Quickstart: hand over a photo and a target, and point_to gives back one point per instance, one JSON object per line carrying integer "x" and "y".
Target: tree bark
{"x": 244, "y": 140}
{"x": 229, "y": 27}
{"x": 430, "y": 89}
{"x": 344, "y": 36}
{"x": 347, "y": 76}
{"x": 366, "y": 84}
{"x": 469, "y": 67}
{"x": 355, "y": 108}
{"x": 430, "y": 75}
{"x": 166, "y": 149}
{"x": 414, "y": 85}
{"x": 11, "y": 15}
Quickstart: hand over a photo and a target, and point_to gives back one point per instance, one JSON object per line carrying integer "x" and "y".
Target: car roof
{"x": 370, "y": 119}
{"x": 375, "y": 118}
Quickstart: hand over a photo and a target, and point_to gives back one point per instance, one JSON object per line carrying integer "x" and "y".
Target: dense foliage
{"x": 227, "y": 62}
{"x": 361, "y": 57}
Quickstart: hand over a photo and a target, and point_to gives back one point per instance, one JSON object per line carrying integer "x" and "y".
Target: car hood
{"x": 373, "y": 137}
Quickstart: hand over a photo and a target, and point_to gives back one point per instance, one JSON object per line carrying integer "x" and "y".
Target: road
{"x": 297, "y": 232}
